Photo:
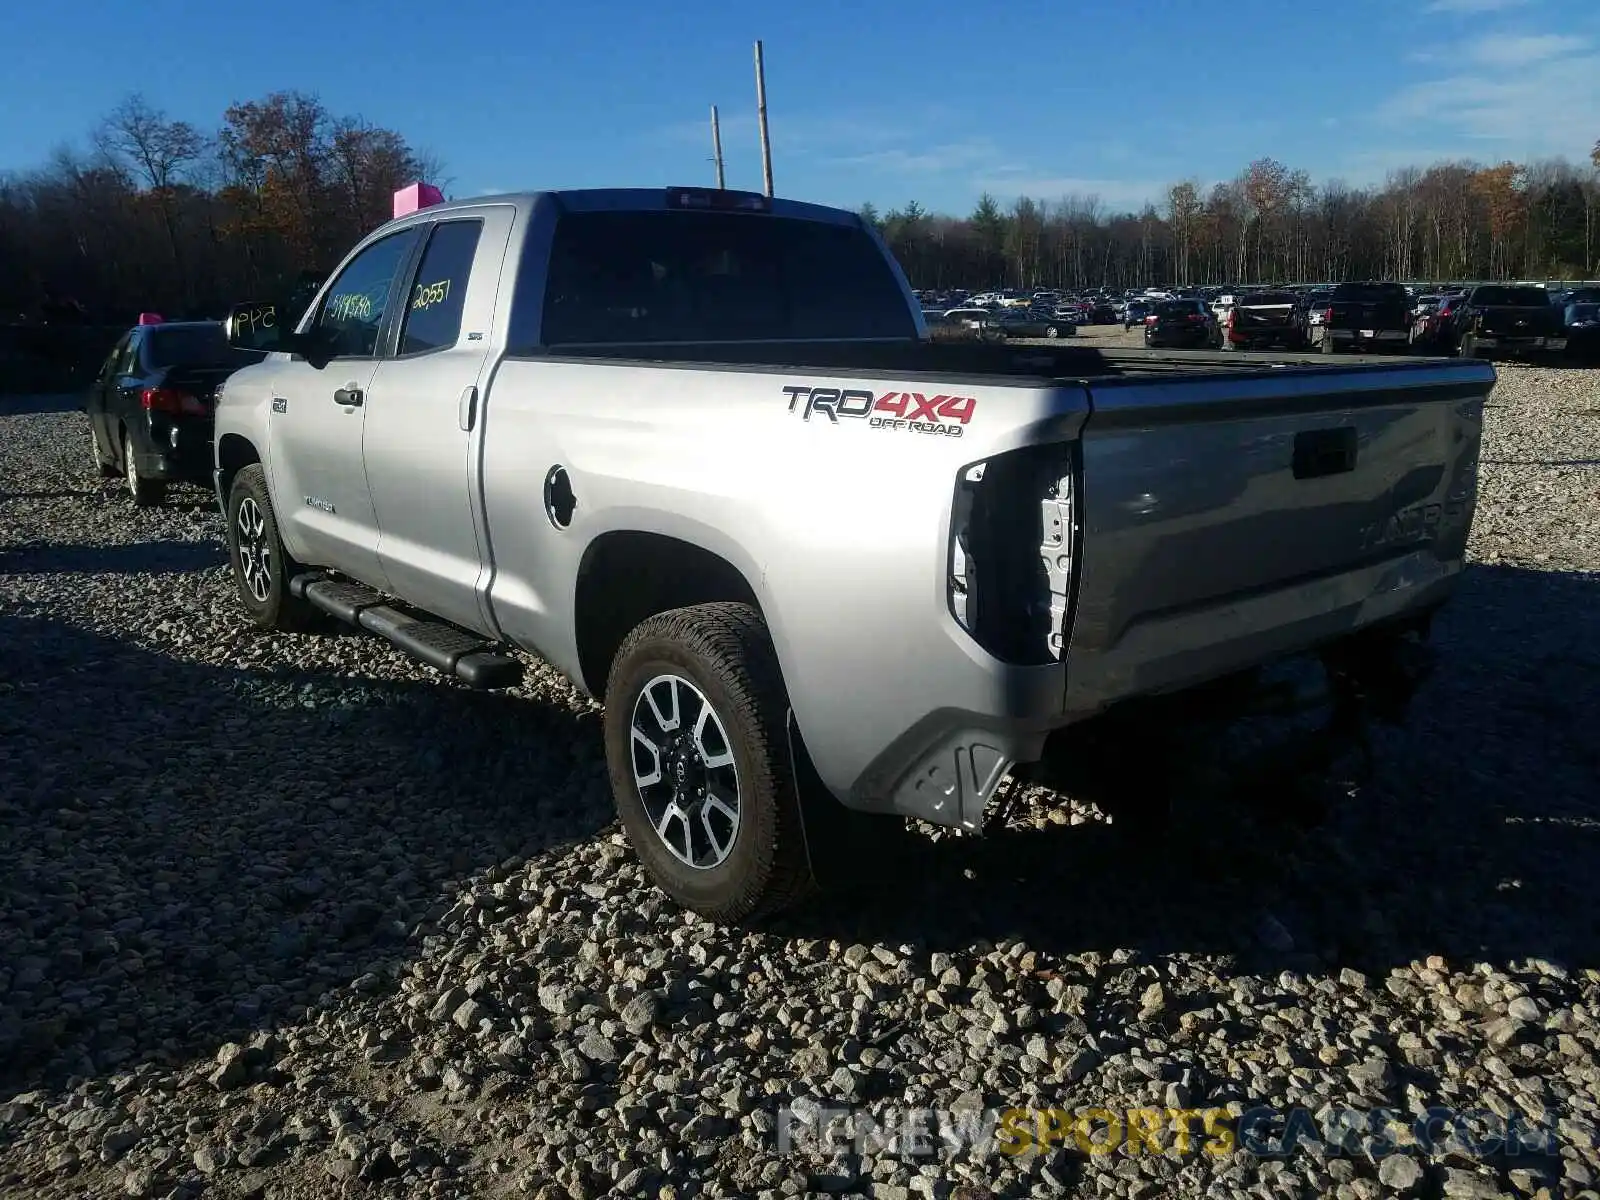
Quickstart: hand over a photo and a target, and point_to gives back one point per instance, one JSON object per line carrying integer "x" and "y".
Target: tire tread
{"x": 732, "y": 640}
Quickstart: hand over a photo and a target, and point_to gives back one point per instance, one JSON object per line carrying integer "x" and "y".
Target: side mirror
{"x": 256, "y": 326}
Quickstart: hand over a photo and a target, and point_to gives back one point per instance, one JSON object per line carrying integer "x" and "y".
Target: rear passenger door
{"x": 98, "y": 406}
{"x": 420, "y": 445}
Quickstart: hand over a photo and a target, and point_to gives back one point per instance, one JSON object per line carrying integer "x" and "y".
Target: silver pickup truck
{"x": 695, "y": 449}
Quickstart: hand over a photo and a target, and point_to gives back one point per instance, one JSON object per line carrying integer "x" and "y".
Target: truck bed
{"x": 1227, "y": 509}
{"x": 980, "y": 362}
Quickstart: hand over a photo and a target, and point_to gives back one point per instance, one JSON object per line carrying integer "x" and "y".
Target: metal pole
{"x": 761, "y": 119}
{"x": 716, "y": 147}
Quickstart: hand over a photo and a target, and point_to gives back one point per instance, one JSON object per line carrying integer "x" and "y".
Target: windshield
{"x": 196, "y": 346}
{"x": 1512, "y": 297}
{"x": 1583, "y": 312}
{"x": 1176, "y": 308}
{"x": 1266, "y": 299}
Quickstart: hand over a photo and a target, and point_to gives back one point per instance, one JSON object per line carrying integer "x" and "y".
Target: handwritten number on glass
{"x": 352, "y": 306}
{"x": 426, "y": 295}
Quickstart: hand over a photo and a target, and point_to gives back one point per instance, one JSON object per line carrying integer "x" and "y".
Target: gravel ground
{"x": 289, "y": 916}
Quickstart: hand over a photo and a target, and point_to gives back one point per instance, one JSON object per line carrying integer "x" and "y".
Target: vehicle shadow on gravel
{"x": 158, "y": 558}
{"x": 192, "y": 852}
{"x": 29, "y": 405}
{"x": 1477, "y": 839}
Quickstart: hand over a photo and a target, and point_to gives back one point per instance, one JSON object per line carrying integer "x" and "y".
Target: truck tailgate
{"x": 1229, "y": 519}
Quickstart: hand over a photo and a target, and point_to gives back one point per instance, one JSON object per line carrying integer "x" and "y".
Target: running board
{"x": 443, "y": 647}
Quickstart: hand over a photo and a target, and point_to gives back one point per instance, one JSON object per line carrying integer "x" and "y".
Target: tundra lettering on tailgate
{"x": 943, "y": 416}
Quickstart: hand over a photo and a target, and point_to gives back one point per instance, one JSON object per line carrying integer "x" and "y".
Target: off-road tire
{"x": 725, "y": 651}
{"x": 277, "y": 610}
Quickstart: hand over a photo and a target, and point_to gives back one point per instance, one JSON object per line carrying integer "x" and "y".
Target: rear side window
{"x": 433, "y": 313}
{"x": 114, "y": 359}
{"x": 621, "y": 277}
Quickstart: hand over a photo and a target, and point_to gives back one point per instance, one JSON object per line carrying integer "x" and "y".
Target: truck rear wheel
{"x": 262, "y": 568}
{"x": 697, "y": 747}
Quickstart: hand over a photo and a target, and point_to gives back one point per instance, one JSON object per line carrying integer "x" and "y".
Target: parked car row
{"x": 1474, "y": 321}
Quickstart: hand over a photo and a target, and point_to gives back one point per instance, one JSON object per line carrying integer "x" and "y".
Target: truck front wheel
{"x": 697, "y": 747}
{"x": 262, "y": 568}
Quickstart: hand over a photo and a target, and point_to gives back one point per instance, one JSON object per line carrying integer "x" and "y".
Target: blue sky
{"x": 936, "y": 101}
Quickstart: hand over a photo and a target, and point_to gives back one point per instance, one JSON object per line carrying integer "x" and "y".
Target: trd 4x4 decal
{"x": 942, "y": 416}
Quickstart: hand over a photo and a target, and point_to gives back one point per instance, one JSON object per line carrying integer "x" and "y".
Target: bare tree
{"x": 159, "y": 151}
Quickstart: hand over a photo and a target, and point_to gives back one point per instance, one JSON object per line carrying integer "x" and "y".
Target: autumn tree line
{"x": 1450, "y": 221}
{"x": 155, "y": 213}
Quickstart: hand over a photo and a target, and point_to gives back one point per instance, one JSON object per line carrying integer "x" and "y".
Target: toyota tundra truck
{"x": 694, "y": 448}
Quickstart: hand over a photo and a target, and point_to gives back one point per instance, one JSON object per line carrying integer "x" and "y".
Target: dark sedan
{"x": 151, "y": 409}
{"x": 1183, "y": 323}
{"x": 1017, "y": 323}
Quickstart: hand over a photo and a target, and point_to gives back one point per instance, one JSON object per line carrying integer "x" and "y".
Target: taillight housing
{"x": 1150, "y": 320}
{"x": 171, "y": 401}
{"x": 1327, "y": 314}
{"x": 1012, "y": 553}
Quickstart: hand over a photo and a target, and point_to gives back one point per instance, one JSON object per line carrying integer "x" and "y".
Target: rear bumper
{"x": 175, "y": 449}
{"x": 946, "y": 769}
{"x": 1554, "y": 344}
{"x": 1376, "y": 335}
{"x": 1176, "y": 650}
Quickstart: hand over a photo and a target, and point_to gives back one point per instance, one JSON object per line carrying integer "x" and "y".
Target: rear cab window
{"x": 665, "y": 277}
{"x": 1512, "y": 297}
{"x": 1383, "y": 292}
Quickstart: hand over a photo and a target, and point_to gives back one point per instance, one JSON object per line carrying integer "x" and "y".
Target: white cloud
{"x": 936, "y": 159}
{"x": 1531, "y": 95}
{"x": 1116, "y": 194}
{"x": 1525, "y": 50}
{"x": 1472, "y": 6}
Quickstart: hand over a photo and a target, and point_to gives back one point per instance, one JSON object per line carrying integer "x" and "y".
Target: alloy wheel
{"x": 683, "y": 767}
{"x": 255, "y": 555}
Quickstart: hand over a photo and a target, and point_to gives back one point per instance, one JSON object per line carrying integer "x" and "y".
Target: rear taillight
{"x": 1012, "y": 552}
{"x": 1327, "y": 314}
{"x": 1150, "y": 320}
{"x": 170, "y": 400}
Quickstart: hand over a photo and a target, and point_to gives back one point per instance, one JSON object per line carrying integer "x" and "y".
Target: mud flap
{"x": 841, "y": 844}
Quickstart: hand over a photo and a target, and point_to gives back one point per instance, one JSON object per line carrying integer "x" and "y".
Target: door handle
{"x": 467, "y": 407}
{"x": 350, "y": 397}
